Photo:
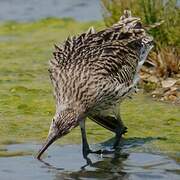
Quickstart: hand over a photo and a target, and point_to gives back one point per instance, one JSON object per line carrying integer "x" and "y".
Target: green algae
{"x": 27, "y": 104}
{"x": 14, "y": 153}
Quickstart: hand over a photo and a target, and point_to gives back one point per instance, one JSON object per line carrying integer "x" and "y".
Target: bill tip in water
{"x": 38, "y": 156}
{"x": 44, "y": 147}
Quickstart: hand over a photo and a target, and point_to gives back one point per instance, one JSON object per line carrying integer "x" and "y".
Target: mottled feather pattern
{"x": 92, "y": 73}
{"x": 96, "y": 69}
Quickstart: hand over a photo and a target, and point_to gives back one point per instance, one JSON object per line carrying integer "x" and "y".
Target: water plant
{"x": 166, "y": 36}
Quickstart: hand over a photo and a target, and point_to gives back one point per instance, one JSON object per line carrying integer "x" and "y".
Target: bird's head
{"x": 61, "y": 124}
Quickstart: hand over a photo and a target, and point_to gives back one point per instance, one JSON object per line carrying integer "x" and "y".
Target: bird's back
{"x": 96, "y": 69}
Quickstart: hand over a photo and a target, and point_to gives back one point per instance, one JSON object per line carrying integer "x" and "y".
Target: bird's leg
{"x": 85, "y": 146}
{"x": 113, "y": 124}
{"x": 120, "y": 130}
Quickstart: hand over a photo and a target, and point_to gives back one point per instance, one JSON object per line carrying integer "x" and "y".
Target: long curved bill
{"x": 48, "y": 142}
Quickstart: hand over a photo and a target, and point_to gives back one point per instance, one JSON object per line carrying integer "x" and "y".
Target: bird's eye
{"x": 54, "y": 123}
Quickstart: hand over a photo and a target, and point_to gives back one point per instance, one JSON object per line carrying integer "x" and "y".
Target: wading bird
{"x": 92, "y": 73}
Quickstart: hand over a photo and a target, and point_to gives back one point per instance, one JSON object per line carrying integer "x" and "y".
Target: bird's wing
{"x": 126, "y": 30}
{"x": 94, "y": 45}
{"x": 63, "y": 56}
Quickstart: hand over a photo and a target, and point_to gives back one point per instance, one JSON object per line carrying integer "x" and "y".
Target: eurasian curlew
{"x": 92, "y": 73}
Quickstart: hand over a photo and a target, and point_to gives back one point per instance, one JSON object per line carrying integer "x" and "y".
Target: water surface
{"x": 66, "y": 162}
{"x": 22, "y": 10}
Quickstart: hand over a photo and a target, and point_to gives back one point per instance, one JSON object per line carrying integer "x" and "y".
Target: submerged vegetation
{"x": 27, "y": 104}
{"x": 166, "y": 53}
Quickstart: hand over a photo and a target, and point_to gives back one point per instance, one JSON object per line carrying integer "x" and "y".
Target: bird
{"x": 92, "y": 73}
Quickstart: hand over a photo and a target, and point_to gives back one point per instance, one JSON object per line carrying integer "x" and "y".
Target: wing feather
{"x": 107, "y": 44}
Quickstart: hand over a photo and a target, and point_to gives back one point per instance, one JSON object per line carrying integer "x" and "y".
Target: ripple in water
{"x": 66, "y": 162}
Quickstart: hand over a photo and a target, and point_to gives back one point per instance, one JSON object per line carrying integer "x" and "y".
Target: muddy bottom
{"x": 66, "y": 162}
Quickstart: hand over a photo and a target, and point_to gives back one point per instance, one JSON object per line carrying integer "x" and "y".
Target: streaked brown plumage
{"x": 92, "y": 73}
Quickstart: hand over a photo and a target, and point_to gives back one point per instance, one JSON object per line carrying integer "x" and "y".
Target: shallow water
{"x": 21, "y": 10}
{"x": 66, "y": 162}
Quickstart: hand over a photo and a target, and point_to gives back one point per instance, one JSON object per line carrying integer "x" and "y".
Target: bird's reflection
{"x": 104, "y": 167}
{"x": 101, "y": 153}
{"x": 50, "y": 166}
{"x": 108, "y": 164}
